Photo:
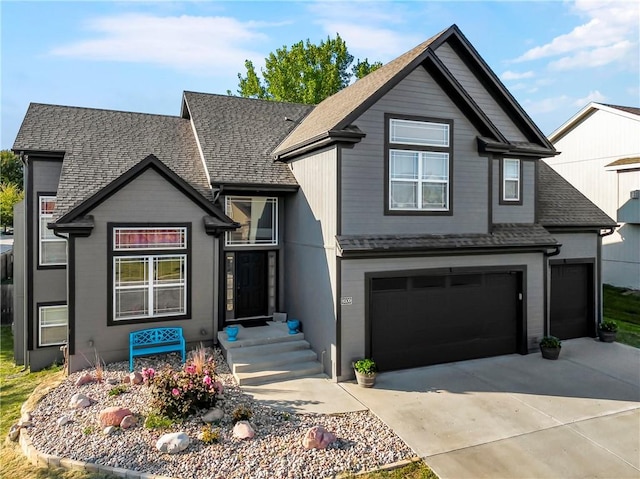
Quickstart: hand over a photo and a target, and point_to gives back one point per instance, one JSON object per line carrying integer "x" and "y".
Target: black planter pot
{"x": 549, "y": 353}
{"x": 607, "y": 336}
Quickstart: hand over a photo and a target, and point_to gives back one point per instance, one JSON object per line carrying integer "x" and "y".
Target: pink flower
{"x": 191, "y": 369}
{"x": 175, "y": 392}
{"x": 206, "y": 380}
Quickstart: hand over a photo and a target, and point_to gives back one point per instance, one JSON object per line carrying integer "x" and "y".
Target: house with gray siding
{"x": 408, "y": 218}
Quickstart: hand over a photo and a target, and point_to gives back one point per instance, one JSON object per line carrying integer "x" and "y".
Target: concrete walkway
{"x": 519, "y": 416}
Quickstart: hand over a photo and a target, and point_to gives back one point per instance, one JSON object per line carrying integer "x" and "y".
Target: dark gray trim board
{"x": 110, "y": 255}
{"x": 29, "y": 253}
{"x": 71, "y": 294}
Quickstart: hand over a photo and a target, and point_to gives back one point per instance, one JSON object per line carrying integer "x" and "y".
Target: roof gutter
{"x": 319, "y": 141}
{"x": 607, "y": 231}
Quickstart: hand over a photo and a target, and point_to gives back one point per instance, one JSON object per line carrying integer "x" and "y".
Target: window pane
{"x": 511, "y": 190}
{"x": 404, "y": 164}
{"x": 169, "y": 300}
{"x": 53, "y": 252}
{"x": 53, "y": 325}
{"x": 53, "y": 335}
{"x": 257, "y": 217}
{"x": 169, "y": 270}
{"x": 512, "y": 169}
{"x": 47, "y": 205}
{"x": 131, "y": 303}
{"x": 131, "y": 272}
{"x": 46, "y": 233}
{"x": 150, "y": 238}
{"x": 434, "y": 195}
{"x": 404, "y": 195}
{"x": 419, "y": 133}
{"x": 435, "y": 166}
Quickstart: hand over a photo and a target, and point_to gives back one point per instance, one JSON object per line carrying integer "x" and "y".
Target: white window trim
{"x": 514, "y": 179}
{"x": 149, "y": 261}
{"x": 41, "y": 310}
{"x": 274, "y": 221}
{"x": 41, "y": 238}
{"x": 181, "y": 246}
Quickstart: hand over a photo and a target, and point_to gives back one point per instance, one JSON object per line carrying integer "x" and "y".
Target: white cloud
{"x": 510, "y": 75}
{"x": 546, "y": 105}
{"x": 611, "y": 27}
{"x": 191, "y": 43}
{"x": 592, "y": 96}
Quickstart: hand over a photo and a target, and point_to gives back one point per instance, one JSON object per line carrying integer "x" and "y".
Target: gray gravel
{"x": 364, "y": 442}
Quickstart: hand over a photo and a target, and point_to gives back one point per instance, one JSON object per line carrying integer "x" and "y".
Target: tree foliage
{"x": 304, "y": 73}
{"x": 10, "y": 194}
{"x": 10, "y": 168}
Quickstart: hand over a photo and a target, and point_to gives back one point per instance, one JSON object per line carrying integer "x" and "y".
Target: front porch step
{"x": 290, "y": 371}
{"x": 269, "y": 353}
{"x": 279, "y": 360}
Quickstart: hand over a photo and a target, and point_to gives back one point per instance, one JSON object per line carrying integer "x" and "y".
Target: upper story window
{"x": 419, "y": 159}
{"x": 52, "y": 249}
{"x": 149, "y": 272}
{"x": 258, "y": 218}
{"x": 511, "y": 180}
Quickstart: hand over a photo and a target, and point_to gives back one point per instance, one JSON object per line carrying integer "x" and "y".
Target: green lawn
{"x": 15, "y": 387}
{"x": 623, "y": 307}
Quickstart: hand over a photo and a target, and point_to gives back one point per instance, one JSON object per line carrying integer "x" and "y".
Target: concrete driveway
{"x": 519, "y": 416}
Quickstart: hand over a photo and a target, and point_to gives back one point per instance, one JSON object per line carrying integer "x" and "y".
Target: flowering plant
{"x": 178, "y": 394}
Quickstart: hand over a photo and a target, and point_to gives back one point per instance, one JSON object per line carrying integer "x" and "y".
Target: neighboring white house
{"x": 600, "y": 156}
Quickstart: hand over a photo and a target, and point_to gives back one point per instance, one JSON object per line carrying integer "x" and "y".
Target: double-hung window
{"x": 419, "y": 165}
{"x": 149, "y": 272}
{"x": 52, "y": 250}
{"x": 52, "y": 324}
{"x": 511, "y": 180}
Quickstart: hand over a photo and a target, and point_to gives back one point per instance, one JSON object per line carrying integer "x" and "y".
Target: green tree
{"x": 10, "y": 168}
{"x": 10, "y": 194}
{"x": 304, "y": 73}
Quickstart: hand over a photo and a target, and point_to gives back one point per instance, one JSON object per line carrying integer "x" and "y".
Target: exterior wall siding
{"x": 49, "y": 285}
{"x": 524, "y": 213}
{"x": 353, "y": 285}
{"x": 363, "y": 179}
{"x": 598, "y": 140}
{"x": 147, "y": 199}
{"x": 479, "y": 94}
{"x": 310, "y": 266}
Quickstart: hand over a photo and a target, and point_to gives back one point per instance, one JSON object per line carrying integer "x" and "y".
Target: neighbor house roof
{"x": 628, "y": 109}
{"x": 559, "y": 204}
{"x": 237, "y": 136}
{"x": 503, "y": 236}
{"x": 101, "y": 145}
{"x": 625, "y": 162}
{"x": 630, "y": 112}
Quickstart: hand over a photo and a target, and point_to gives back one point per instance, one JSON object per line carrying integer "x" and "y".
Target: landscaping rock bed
{"x": 276, "y": 451}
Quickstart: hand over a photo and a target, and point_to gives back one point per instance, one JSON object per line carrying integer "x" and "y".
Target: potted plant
{"x": 550, "y": 347}
{"x": 366, "y": 371}
{"x": 607, "y": 331}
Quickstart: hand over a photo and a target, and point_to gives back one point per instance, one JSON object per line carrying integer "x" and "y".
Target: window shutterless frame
{"x": 52, "y": 250}
{"x": 258, "y": 218}
{"x": 418, "y": 165}
{"x": 53, "y": 320}
{"x": 510, "y": 181}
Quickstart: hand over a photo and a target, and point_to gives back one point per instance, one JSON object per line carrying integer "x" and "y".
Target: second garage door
{"x": 422, "y": 320}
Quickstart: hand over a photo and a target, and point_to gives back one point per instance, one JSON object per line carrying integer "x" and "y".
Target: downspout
{"x": 26, "y": 305}
{"x": 601, "y": 234}
{"x": 65, "y": 347}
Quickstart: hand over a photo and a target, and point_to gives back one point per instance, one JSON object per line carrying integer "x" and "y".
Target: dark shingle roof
{"x": 628, "y": 109}
{"x": 100, "y": 145}
{"x": 333, "y": 110}
{"x": 560, "y": 204}
{"x": 237, "y": 136}
{"x": 503, "y": 236}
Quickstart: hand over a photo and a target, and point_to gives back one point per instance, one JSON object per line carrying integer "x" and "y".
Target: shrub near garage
{"x": 178, "y": 394}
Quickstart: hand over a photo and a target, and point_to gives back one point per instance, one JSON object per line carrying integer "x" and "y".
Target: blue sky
{"x": 554, "y": 57}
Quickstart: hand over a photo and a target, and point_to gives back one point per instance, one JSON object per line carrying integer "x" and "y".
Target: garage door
{"x": 422, "y": 320}
{"x": 571, "y": 314}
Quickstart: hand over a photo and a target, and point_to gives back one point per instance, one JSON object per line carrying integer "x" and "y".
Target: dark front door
{"x": 251, "y": 284}
{"x": 423, "y": 320}
{"x": 572, "y": 301}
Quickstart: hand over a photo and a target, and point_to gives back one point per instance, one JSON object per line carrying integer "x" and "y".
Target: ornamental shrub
{"x": 178, "y": 394}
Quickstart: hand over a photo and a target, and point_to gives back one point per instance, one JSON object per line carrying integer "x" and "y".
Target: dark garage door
{"x": 423, "y": 320}
{"x": 572, "y": 301}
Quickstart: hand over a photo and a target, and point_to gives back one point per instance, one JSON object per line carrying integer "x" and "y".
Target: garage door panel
{"x": 462, "y": 317}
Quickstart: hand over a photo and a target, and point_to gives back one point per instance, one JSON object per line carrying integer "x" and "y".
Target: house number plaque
{"x": 346, "y": 301}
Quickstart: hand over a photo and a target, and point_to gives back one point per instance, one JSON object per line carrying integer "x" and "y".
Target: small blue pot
{"x": 293, "y": 325}
{"x": 232, "y": 333}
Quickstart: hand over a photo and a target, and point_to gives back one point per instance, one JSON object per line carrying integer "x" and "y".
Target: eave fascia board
{"x": 55, "y": 155}
{"x": 500, "y": 92}
{"x": 320, "y": 141}
{"x": 485, "y": 145}
{"x": 227, "y": 188}
{"x": 81, "y": 228}
{"x": 391, "y": 252}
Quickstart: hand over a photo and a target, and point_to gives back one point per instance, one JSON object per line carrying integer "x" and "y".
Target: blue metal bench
{"x": 155, "y": 340}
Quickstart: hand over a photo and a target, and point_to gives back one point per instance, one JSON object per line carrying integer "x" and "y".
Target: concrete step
{"x": 289, "y": 371}
{"x": 257, "y": 353}
{"x": 275, "y": 360}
